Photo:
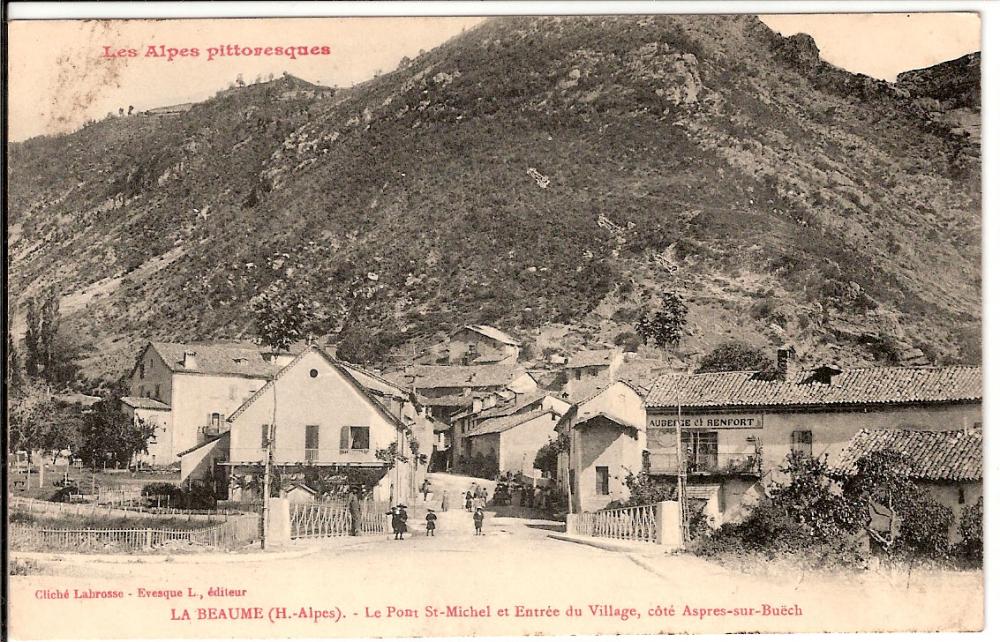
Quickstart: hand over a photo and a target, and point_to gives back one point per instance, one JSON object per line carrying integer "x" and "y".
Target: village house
{"x": 447, "y": 390}
{"x": 948, "y": 464}
{"x": 737, "y": 428}
{"x": 187, "y": 390}
{"x": 588, "y": 371}
{"x": 482, "y": 344}
{"x": 326, "y": 421}
{"x": 511, "y": 442}
{"x": 481, "y": 428}
{"x": 606, "y": 435}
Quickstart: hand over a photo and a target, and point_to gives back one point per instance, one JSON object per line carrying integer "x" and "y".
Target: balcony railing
{"x": 720, "y": 463}
{"x": 210, "y": 430}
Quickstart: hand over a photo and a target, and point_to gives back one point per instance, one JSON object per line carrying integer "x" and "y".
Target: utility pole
{"x": 681, "y": 483}
{"x": 268, "y": 456}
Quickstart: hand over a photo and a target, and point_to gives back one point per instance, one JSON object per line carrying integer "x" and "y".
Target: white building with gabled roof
{"x": 188, "y": 390}
{"x": 324, "y": 418}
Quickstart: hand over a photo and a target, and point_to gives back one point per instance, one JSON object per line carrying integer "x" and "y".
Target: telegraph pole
{"x": 681, "y": 483}
{"x": 268, "y": 456}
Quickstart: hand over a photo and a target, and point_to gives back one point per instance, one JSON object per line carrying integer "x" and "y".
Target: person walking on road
{"x": 354, "y": 511}
{"x": 468, "y": 500}
{"x": 477, "y": 520}
{"x": 425, "y": 488}
{"x": 431, "y": 522}
{"x": 399, "y": 518}
{"x": 444, "y": 502}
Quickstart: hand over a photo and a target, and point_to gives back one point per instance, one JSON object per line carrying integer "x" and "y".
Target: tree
{"x": 13, "y": 364}
{"x": 911, "y": 521}
{"x": 282, "y": 317}
{"x": 735, "y": 355}
{"x": 666, "y": 325}
{"x": 31, "y": 338}
{"x": 46, "y": 354}
{"x": 547, "y": 457}
{"x": 27, "y": 414}
{"x": 110, "y": 437}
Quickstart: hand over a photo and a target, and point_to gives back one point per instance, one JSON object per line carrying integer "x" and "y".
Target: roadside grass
{"x": 96, "y": 521}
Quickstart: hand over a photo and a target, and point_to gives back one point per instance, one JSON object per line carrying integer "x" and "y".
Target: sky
{"x": 60, "y": 76}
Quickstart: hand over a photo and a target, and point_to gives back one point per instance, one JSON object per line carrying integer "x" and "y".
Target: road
{"x": 388, "y": 588}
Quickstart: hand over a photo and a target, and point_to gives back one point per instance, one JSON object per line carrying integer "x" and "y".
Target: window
{"x": 216, "y": 420}
{"x": 802, "y": 441}
{"x": 142, "y": 370}
{"x": 232, "y": 391}
{"x": 156, "y": 394}
{"x": 353, "y": 438}
{"x": 701, "y": 450}
{"x": 314, "y": 373}
{"x": 312, "y": 443}
{"x": 265, "y": 434}
{"x": 961, "y": 495}
{"x": 603, "y": 480}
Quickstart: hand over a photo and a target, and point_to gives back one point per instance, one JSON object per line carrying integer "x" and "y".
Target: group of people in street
{"x": 475, "y": 498}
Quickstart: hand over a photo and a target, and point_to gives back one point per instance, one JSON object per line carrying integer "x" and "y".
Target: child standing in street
{"x": 477, "y": 519}
{"x": 431, "y": 522}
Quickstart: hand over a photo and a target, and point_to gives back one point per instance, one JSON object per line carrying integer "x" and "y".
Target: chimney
{"x": 785, "y": 354}
{"x": 189, "y": 359}
{"x": 824, "y": 374}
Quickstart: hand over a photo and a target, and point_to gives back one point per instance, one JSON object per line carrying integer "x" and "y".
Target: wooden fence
{"x": 230, "y": 534}
{"x": 634, "y": 524}
{"x": 332, "y": 519}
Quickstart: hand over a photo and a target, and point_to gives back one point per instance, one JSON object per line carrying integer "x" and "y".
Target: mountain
{"x": 550, "y": 176}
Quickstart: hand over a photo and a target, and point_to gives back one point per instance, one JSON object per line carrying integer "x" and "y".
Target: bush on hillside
{"x": 735, "y": 355}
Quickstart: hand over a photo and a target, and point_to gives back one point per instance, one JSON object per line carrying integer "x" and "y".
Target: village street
{"x": 384, "y": 587}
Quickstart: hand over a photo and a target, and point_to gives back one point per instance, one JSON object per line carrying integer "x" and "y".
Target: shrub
{"x": 628, "y": 340}
{"x": 735, "y": 355}
{"x": 970, "y": 529}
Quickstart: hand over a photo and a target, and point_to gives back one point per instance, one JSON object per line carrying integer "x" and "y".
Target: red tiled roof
{"x": 953, "y": 455}
{"x": 856, "y": 386}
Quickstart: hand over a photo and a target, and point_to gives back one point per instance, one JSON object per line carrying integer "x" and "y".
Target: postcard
{"x": 494, "y": 326}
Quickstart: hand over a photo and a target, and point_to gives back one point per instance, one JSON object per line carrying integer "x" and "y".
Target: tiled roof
{"x": 585, "y": 358}
{"x": 509, "y": 408}
{"x": 493, "y": 333}
{"x": 503, "y": 424}
{"x": 424, "y": 377}
{"x": 215, "y": 358}
{"x": 445, "y": 400}
{"x": 856, "y": 386}
{"x": 145, "y": 403}
{"x": 376, "y": 383}
{"x": 339, "y": 366}
{"x": 953, "y": 455}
